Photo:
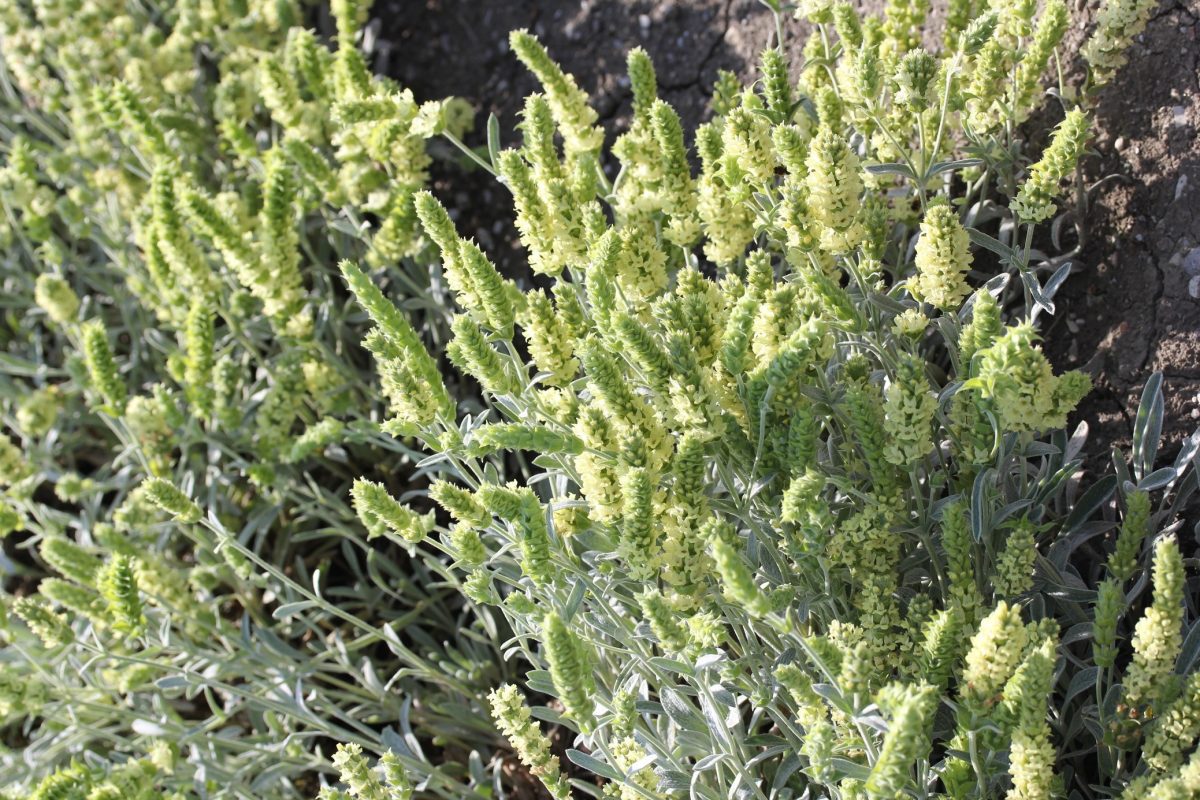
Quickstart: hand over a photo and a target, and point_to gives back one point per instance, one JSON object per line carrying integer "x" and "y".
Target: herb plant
{"x": 760, "y": 487}
{"x": 773, "y": 487}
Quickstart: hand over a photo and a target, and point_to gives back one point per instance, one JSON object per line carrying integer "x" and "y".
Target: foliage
{"x": 180, "y": 183}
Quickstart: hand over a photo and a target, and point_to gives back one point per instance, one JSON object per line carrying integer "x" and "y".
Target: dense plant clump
{"x": 179, "y": 185}
{"x": 759, "y": 488}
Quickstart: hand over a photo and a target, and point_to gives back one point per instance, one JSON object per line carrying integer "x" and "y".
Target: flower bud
{"x": 56, "y": 297}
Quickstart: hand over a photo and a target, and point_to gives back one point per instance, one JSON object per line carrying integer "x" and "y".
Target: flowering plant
{"x": 792, "y": 511}
{"x": 760, "y": 488}
{"x": 180, "y": 181}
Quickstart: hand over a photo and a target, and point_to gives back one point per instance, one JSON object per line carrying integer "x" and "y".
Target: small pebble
{"x": 1119, "y": 143}
{"x": 1180, "y": 185}
{"x": 1194, "y": 287}
{"x": 1191, "y": 262}
{"x": 644, "y": 21}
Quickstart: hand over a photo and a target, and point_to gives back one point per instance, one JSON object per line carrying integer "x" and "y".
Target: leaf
{"x": 1039, "y": 449}
{"x": 1077, "y": 441}
{"x": 1081, "y": 682}
{"x": 891, "y": 169}
{"x": 1040, "y": 301}
{"x": 851, "y": 769}
{"x": 679, "y": 710}
{"x": 572, "y": 604}
{"x": 999, "y": 283}
{"x": 1189, "y": 654}
{"x": 1097, "y": 495}
{"x": 1056, "y": 280}
{"x": 291, "y": 609}
{"x": 1188, "y": 451}
{"x": 540, "y": 681}
{"x": 671, "y": 781}
{"x": 1158, "y": 479}
{"x": 393, "y": 741}
{"x": 594, "y": 765}
{"x": 834, "y": 696}
{"x": 493, "y": 138}
{"x": 546, "y": 714}
{"x": 995, "y": 245}
{"x": 1147, "y": 428}
{"x": 978, "y": 511}
{"x": 950, "y": 166}
{"x": 671, "y": 665}
{"x": 785, "y": 772}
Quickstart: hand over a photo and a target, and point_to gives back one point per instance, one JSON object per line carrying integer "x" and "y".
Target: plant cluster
{"x": 179, "y": 184}
{"x": 759, "y": 488}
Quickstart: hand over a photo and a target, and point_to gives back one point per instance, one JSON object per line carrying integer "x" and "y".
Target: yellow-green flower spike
{"x": 1110, "y": 604}
{"x": 1118, "y": 23}
{"x": 1014, "y": 565}
{"x": 379, "y": 511}
{"x": 56, "y": 297}
{"x": 168, "y": 497}
{"x": 462, "y": 504}
{"x": 834, "y": 190}
{"x": 513, "y": 718}
{"x": 737, "y": 580}
{"x": 405, "y": 345}
{"x": 642, "y": 80}
{"x": 508, "y": 437}
{"x": 118, "y": 585}
{"x": 996, "y": 650}
{"x": 471, "y": 352}
{"x": 1176, "y": 730}
{"x": 198, "y": 365}
{"x": 101, "y": 365}
{"x": 1135, "y": 528}
{"x": 70, "y": 560}
{"x": 909, "y": 409}
{"x": 549, "y": 339}
{"x": 1158, "y": 635}
{"x": 1015, "y": 374}
{"x": 1051, "y": 26}
{"x": 943, "y": 257}
{"x": 570, "y": 670}
{"x": 980, "y": 333}
{"x": 777, "y": 85}
{"x": 52, "y": 628}
{"x": 279, "y": 284}
{"x": 906, "y": 741}
{"x": 1035, "y": 201}
{"x": 349, "y": 15}
{"x": 569, "y": 104}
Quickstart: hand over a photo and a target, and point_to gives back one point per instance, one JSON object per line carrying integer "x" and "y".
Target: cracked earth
{"x": 1132, "y": 305}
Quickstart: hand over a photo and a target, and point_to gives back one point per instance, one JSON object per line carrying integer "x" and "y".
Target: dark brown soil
{"x": 1131, "y": 308}
{"x": 1135, "y": 300}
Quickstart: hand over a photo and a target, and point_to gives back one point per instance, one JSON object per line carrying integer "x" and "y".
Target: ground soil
{"x": 1132, "y": 306}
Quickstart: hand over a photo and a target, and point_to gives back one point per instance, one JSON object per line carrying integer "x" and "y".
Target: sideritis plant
{"x": 772, "y": 486}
